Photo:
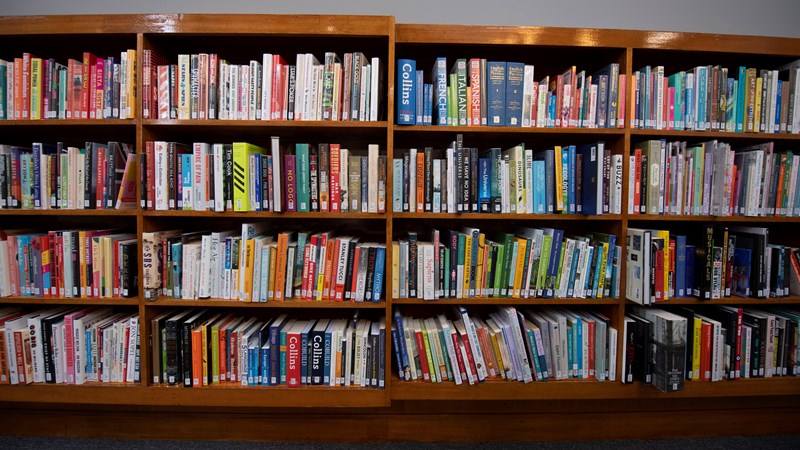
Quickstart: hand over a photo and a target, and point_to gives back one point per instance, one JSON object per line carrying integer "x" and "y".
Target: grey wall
{"x": 754, "y": 17}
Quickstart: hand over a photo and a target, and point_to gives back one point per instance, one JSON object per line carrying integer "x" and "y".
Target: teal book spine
{"x": 301, "y": 168}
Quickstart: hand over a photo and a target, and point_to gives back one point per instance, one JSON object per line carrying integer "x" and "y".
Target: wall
{"x": 753, "y": 17}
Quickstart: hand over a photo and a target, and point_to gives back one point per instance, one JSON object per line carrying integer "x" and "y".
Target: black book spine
{"x": 348, "y": 278}
{"x": 473, "y": 181}
{"x": 89, "y": 181}
{"x": 292, "y": 82}
{"x": 374, "y": 354}
{"x": 54, "y": 178}
{"x": 370, "y": 273}
{"x": 313, "y": 179}
{"x": 171, "y": 350}
{"x": 412, "y": 265}
{"x": 76, "y": 265}
{"x": 211, "y": 181}
{"x": 317, "y": 342}
{"x": 109, "y": 190}
{"x": 178, "y": 181}
{"x": 459, "y": 178}
{"x": 185, "y": 349}
{"x": 3, "y": 182}
{"x": 708, "y": 265}
{"x": 381, "y": 358}
{"x": 443, "y": 186}
{"x": 47, "y": 351}
{"x": 125, "y": 270}
{"x": 428, "y": 179}
{"x": 441, "y": 268}
{"x": 643, "y": 184}
{"x": 466, "y": 180}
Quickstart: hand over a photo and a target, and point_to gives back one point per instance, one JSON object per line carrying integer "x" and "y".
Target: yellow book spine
{"x": 215, "y": 354}
{"x": 697, "y": 331}
{"x": 395, "y": 270}
{"x": 559, "y": 193}
{"x": 498, "y": 356}
{"x": 601, "y": 282}
{"x": 82, "y": 261}
{"x": 204, "y": 351}
{"x": 108, "y": 262}
{"x": 467, "y": 263}
{"x": 36, "y": 88}
{"x": 131, "y": 76}
{"x": 757, "y": 105}
{"x": 522, "y": 245}
{"x": 479, "y": 276}
{"x": 247, "y": 289}
{"x": 665, "y": 234}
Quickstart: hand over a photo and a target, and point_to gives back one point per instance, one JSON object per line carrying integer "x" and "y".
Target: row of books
{"x": 509, "y": 343}
{"x": 198, "y": 347}
{"x": 92, "y": 88}
{"x": 58, "y": 176}
{"x": 710, "y": 178}
{"x": 205, "y": 86}
{"x": 529, "y": 263}
{"x": 245, "y": 177}
{"x": 737, "y": 261}
{"x": 706, "y": 98}
{"x": 253, "y": 266}
{"x": 69, "y": 345}
{"x": 571, "y": 179}
{"x": 665, "y": 348}
{"x": 68, "y": 264}
{"x": 477, "y": 92}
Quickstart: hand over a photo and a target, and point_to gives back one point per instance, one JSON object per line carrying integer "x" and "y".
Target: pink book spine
{"x": 622, "y": 104}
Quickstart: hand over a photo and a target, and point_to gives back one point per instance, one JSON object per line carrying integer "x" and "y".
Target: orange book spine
{"x": 332, "y": 247}
{"x": 197, "y": 358}
{"x": 781, "y": 179}
{"x": 223, "y": 354}
{"x": 280, "y": 276}
{"x": 89, "y": 65}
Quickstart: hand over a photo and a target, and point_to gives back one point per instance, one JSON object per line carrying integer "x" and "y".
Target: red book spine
{"x": 89, "y": 61}
{"x": 659, "y": 274}
{"x": 307, "y": 267}
{"x": 705, "y": 352}
{"x": 53, "y": 257}
{"x": 334, "y": 180}
{"x": 276, "y": 100}
{"x": 150, "y": 149}
{"x": 223, "y": 355}
{"x": 592, "y": 343}
{"x": 738, "y": 364}
{"x": 100, "y": 176}
{"x": 459, "y": 358}
{"x": 423, "y": 358}
{"x": 560, "y": 101}
{"x": 293, "y": 355}
{"x": 468, "y": 350}
{"x": 290, "y": 182}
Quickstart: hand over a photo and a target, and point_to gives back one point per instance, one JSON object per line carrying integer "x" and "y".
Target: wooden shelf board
{"x": 508, "y": 130}
{"x": 791, "y": 300}
{"x": 295, "y": 304}
{"x": 70, "y": 301}
{"x": 233, "y": 395}
{"x": 635, "y": 133}
{"x": 587, "y": 390}
{"x": 715, "y": 219}
{"x": 68, "y": 122}
{"x": 493, "y": 216}
{"x": 507, "y": 301}
{"x": 268, "y": 215}
{"x": 264, "y": 124}
{"x": 70, "y": 212}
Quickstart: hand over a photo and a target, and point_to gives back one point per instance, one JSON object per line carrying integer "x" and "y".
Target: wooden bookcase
{"x": 403, "y": 410}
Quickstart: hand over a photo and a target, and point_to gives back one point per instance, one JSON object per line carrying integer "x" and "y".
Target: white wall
{"x": 754, "y": 17}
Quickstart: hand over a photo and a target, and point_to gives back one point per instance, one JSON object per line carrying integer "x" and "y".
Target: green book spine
{"x": 215, "y": 354}
{"x": 534, "y": 352}
{"x": 560, "y": 265}
{"x": 508, "y": 241}
{"x": 301, "y": 169}
{"x": 434, "y": 369}
{"x": 547, "y": 242}
{"x": 62, "y": 94}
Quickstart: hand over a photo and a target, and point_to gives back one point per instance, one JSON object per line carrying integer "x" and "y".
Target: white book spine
{"x": 266, "y": 86}
{"x": 374, "y": 93}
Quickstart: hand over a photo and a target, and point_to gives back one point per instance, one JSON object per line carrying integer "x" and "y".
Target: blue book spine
{"x": 691, "y": 252}
{"x": 177, "y": 269}
{"x": 514, "y": 86}
{"x": 377, "y": 286}
{"x": 258, "y": 197}
{"x": 579, "y": 348}
{"x": 186, "y": 180}
{"x": 326, "y": 359}
{"x": 570, "y": 351}
{"x": 550, "y": 188}
{"x": 364, "y": 185}
{"x": 551, "y": 111}
{"x": 572, "y": 181}
{"x": 398, "y": 357}
{"x": 612, "y": 242}
{"x": 301, "y": 170}
{"x": 25, "y": 180}
{"x": 589, "y": 178}
{"x": 274, "y": 353}
{"x": 680, "y": 266}
{"x": 398, "y": 320}
{"x": 419, "y": 91}
{"x": 484, "y": 183}
{"x": 406, "y": 93}
{"x": 440, "y": 78}
{"x": 702, "y": 91}
{"x": 777, "y": 124}
{"x": 428, "y": 104}
{"x": 730, "y": 117}
{"x": 572, "y": 270}
{"x": 598, "y": 263}
{"x": 88, "y": 347}
{"x": 554, "y": 264}
{"x": 586, "y": 286}
{"x": 740, "y": 98}
{"x": 22, "y": 243}
{"x": 397, "y": 185}
{"x": 539, "y": 201}
{"x": 265, "y": 365}
{"x": 496, "y": 93}
{"x": 691, "y": 81}
{"x": 565, "y": 171}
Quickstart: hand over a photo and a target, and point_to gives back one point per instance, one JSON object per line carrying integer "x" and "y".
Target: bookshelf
{"x": 494, "y": 410}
